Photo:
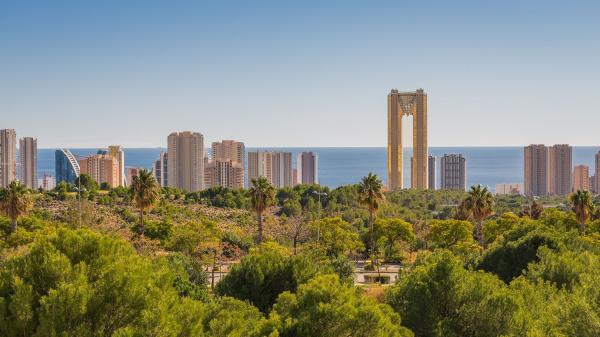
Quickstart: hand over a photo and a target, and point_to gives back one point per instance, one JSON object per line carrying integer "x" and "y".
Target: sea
{"x": 347, "y": 165}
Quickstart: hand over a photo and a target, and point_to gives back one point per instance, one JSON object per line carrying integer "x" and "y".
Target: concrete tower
{"x": 410, "y": 104}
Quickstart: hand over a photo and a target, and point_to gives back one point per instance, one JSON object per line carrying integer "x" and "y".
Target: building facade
{"x": 8, "y": 156}
{"x": 536, "y": 170}
{"x": 431, "y": 173}
{"x": 560, "y": 169}
{"x": 66, "y": 166}
{"x": 185, "y": 167}
{"x": 47, "y": 182}
{"x": 581, "y": 178}
{"x": 509, "y": 189}
{"x": 307, "y": 168}
{"x": 119, "y": 154}
{"x": 597, "y": 173}
{"x": 161, "y": 169}
{"x": 229, "y": 150}
{"x": 453, "y": 168}
{"x": 275, "y": 166}
{"x": 28, "y": 161}
{"x": 103, "y": 168}
{"x": 224, "y": 173}
{"x": 410, "y": 104}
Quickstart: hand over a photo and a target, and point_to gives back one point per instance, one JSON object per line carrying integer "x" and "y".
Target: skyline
{"x": 494, "y": 72}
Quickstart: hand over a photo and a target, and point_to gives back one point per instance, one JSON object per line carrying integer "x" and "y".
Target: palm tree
{"x": 145, "y": 192}
{"x": 15, "y": 202}
{"x": 583, "y": 206}
{"x": 480, "y": 204}
{"x": 262, "y": 195}
{"x": 370, "y": 194}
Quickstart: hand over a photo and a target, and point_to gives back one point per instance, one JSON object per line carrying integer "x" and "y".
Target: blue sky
{"x": 298, "y": 73}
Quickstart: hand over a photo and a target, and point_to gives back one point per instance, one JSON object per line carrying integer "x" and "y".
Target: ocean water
{"x": 340, "y": 166}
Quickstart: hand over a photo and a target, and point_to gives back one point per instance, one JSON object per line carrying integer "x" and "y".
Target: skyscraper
{"x": 161, "y": 169}
{"x": 275, "y": 166}
{"x": 453, "y": 169}
{"x": 581, "y": 178}
{"x": 185, "y": 167}
{"x": 103, "y": 168}
{"x": 536, "y": 170}
{"x": 47, "y": 183}
{"x": 8, "y": 156}
{"x": 117, "y": 152}
{"x": 597, "y": 173}
{"x": 560, "y": 168}
{"x": 229, "y": 150}
{"x": 431, "y": 169}
{"x": 224, "y": 173}
{"x": 307, "y": 166}
{"x": 410, "y": 104}
{"x": 28, "y": 159}
{"x": 66, "y": 166}
{"x": 260, "y": 164}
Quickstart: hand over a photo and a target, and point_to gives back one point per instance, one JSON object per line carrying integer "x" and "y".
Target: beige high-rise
{"x": 307, "y": 168}
{"x": 229, "y": 150}
{"x": 28, "y": 160}
{"x": 275, "y": 166}
{"x": 103, "y": 168}
{"x": 8, "y": 156}
{"x": 410, "y": 104}
{"x": 224, "y": 173}
{"x": 536, "y": 170}
{"x": 185, "y": 167}
{"x": 597, "y": 173}
{"x": 117, "y": 152}
{"x": 581, "y": 178}
{"x": 560, "y": 169}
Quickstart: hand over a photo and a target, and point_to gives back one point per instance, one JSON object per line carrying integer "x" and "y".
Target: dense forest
{"x": 141, "y": 261}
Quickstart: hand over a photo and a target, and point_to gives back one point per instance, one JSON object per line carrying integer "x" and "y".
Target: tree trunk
{"x": 371, "y": 234}
{"x": 142, "y": 229}
{"x": 13, "y": 225}
{"x": 214, "y": 266}
{"x": 582, "y": 228}
{"x": 479, "y": 230}
{"x": 295, "y": 244}
{"x": 260, "y": 227}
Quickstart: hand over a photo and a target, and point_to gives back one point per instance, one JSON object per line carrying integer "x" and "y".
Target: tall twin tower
{"x": 410, "y": 104}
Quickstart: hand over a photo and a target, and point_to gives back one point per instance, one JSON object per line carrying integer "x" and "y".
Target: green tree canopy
{"x": 326, "y": 307}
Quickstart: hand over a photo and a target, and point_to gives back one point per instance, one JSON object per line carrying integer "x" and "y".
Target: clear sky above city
{"x": 298, "y": 73}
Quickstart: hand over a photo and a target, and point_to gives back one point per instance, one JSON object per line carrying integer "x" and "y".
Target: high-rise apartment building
{"x": 597, "y": 173}
{"x": 275, "y": 166}
{"x": 131, "y": 172}
{"x": 28, "y": 160}
{"x": 224, "y": 173}
{"x": 410, "y": 104}
{"x": 594, "y": 184}
{"x": 431, "y": 173}
{"x": 8, "y": 156}
{"x": 229, "y": 150}
{"x": 66, "y": 166}
{"x": 103, "y": 168}
{"x": 160, "y": 169}
{"x": 581, "y": 178}
{"x": 47, "y": 183}
{"x": 185, "y": 167}
{"x": 453, "y": 169}
{"x": 307, "y": 167}
{"x": 536, "y": 170}
{"x": 560, "y": 169}
{"x": 509, "y": 189}
{"x": 117, "y": 152}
